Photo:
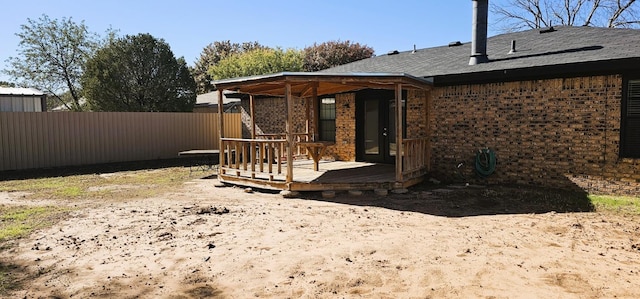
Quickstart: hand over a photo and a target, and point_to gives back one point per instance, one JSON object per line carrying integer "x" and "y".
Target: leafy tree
{"x": 7, "y": 84}
{"x": 138, "y": 73}
{"x": 529, "y": 14}
{"x": 51, "y": 55}
{"x": 212, "y": 54}
{"x": 334, "y": 53}
{"x": 257, "y": 62}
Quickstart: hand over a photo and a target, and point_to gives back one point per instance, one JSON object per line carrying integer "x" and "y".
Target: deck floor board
{"x": 331, "y": 174}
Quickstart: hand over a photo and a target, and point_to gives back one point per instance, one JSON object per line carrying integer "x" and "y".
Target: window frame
{"x": 322, "y": 122}
{"x": 624, "y": 118}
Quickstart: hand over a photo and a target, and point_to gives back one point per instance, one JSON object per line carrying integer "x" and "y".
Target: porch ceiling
{"x": 302, "y": 84}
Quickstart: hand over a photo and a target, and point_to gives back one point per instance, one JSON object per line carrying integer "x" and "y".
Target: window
{"x": 327, "y": 123}
{"x": 630, "y": 139}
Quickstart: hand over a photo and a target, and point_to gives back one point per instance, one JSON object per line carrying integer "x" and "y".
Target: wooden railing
{"x": 415, "y": 161}
{"x": 298, "y": 151}
{"x": 266, "y": 158}
{"x": 261, "y": 158}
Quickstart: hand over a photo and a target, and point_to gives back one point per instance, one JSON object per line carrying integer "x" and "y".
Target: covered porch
{"x": 292, "y": 160}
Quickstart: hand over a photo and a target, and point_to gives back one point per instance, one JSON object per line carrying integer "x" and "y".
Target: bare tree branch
{"x": 592, "y": 12}
{"x": 625, "y": 24}
{"x": 620, "y": 9}
{"x": 521, "y": 14}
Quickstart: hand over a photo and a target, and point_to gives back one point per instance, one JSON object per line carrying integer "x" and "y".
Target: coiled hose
{"x": 485, "y": 162}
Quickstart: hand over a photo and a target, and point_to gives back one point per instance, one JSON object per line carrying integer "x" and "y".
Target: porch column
{"x": 253, "y": 119}
{"x": 289, "y": 130}
{"x": 399, "y": 130}
{"x": 220, "y": 129}
{"x": 316, "y": 113}
{"x": 307, "y": 106}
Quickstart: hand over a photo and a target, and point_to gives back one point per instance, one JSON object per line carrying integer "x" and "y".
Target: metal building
{"x": 14, "y": 99}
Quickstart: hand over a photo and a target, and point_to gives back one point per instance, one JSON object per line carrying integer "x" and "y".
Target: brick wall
{"x": 562, "y": 133}
{"x": 558, "y": 132}
{"x": 417, "y": 114}
{"x": 271, "y": 114}
{"x": 345, "y": 147}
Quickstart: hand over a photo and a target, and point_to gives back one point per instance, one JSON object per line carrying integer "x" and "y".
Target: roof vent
{"x": 455, "y": 44}
{"x": 513, "y": 47}
{"x": 394, "y": 52}
{"x": 547, "y": 30}
{"x": 414, "y": 48}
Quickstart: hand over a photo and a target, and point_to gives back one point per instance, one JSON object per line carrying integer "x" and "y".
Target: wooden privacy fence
{"x": 52, "y": 139}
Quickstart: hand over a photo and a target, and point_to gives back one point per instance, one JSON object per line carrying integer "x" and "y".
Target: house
{"x": 13, "y": 99}
{"x": 208, "y": 103}
{"x": 556, "y": 107}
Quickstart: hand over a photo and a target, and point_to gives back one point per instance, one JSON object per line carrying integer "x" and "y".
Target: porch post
{"x": 220, "y": 129}
{"x": 307, "y": 104}
{"x": 289, "y": 129}
{"x": 399, "y": 130}
{"x": 253, "y": 119}
{"x": 316, "y": 113}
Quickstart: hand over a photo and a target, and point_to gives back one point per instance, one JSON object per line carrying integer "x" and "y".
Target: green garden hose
{"x": 485, "y": 162}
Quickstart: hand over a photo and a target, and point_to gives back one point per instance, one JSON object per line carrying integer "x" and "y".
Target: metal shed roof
{"x": 20, "y": 91}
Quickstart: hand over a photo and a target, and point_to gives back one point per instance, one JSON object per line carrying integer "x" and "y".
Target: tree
{"x": 212, "y": 54}
{"x": 138, "y": 73}
{"x": 529, "y": 14}
{"x": 334, "y": 53}
{"x": 6, "y": 84}
{"x": 257, "y": 62}
{"x": 51, "y": 55}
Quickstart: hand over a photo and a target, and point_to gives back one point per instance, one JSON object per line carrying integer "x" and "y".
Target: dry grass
{"x": 68, "y": 188}
{"x": 616, "y": 204}
{"x": 111, "y": 186}
{"x": 19, "y": 220}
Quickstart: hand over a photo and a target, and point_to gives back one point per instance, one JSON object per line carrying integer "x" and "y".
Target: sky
{"x": 190, "y": 25}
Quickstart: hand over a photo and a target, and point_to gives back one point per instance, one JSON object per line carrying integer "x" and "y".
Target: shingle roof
{"x": 212, "y": 98}
{"x": 566, "y": 46}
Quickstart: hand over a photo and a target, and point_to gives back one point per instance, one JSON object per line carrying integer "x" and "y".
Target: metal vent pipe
{"x": 479, "y": 32}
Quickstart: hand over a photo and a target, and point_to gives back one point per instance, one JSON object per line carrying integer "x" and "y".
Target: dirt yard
{"x": 208, "y": 242}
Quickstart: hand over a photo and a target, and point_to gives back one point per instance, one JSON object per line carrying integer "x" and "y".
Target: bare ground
{"x": 207, "y": 242}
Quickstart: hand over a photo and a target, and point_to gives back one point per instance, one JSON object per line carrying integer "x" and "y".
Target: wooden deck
{"x": 334, "y": 175}
{"x": 280, "y": 164}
